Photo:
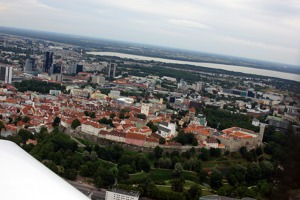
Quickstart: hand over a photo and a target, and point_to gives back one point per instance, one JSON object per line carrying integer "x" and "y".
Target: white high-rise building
{"x": 109, "y": 68}
{"x": 30, "y": 65}
{"x": 98, "y": 79}
{"x": 115, "y": 68}
{"x": 6, "y": 74}
{"x": 199, "y": 86}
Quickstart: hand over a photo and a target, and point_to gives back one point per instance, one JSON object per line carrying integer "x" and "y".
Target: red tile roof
{"x": 135, "y": 136}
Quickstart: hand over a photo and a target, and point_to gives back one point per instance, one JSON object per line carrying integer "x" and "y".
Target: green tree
{"x": 244, "y": 151}
{"x": 177, "y": 185}
{"x": 267, "y": 169}
{"x": 216, "y": 180}
{"x": 25, "y": 135}
{"x": 92, "y": 115}
{"x": 75, "y": 123}
{"x": 124, "y": 172}
{"x": 157, "y": 152}
{"x": 154, "y": 128}
{"x": 253, "y": 173}
{"x": 141, "y": 116}
{"x": 194, "y": 192}
{"x": 107, "y": 176}
{"x": 215, "y": 152}
{"x": 121, "y": 115}
{"x": 56, "y": 121}
{"x": 98, "y": 182}
{"x": 86, "y": 113}
{"x": 71, "y": 174}
{"x": 25, "y": 119}
{"x": 1, "y": 125}
{"x": 112, "y": 115}
{"x": 162, "y": 140}
{"x": 177, "y": 172}
{"x": 204, "y": 155}
{"x": 94, "y": 155}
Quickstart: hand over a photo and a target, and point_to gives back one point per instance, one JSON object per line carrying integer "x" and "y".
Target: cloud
{"x": 270, "y": 27}
{"x": 188, "y": 23}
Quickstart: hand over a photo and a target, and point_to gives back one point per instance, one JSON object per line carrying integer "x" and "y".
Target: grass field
{"x": 160, "y": 174}
{"x": 163, "y": 175}
{"x": 138, "y": 176}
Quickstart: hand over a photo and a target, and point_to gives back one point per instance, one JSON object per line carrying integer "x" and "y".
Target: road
{"x": 93, "y": 192}
{"x": 89, "y": 190}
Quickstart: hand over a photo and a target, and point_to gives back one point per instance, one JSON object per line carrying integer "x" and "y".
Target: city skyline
{"x": 263, "y": 30}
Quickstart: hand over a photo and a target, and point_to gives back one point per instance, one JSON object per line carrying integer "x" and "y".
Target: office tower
{"x": 56, "y": 68}
{"x": 199, "y": 86}
{"x": 115, "y": 67}
{"x": 75, "y": 69}
{"x": 98, "y": 79}
{"x": 57, "y": 77}
{"x": 30, "y": 65}
{"x": 6, "y": 74}
{"x": 48, "y": 61}
{"x": 109, "y": 67}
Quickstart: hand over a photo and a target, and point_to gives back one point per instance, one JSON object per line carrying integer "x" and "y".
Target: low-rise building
{"x": 135, "y": 139}
{"x": 92, "y": 127}
{"x": 119, "y": 194}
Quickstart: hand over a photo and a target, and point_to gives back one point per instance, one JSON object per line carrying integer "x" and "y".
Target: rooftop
{"x": 125, "y": 192}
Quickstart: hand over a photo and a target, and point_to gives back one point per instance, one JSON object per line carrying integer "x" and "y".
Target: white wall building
{"x": 119, "y": 194}
{"x": 92, "y": 127}
{"x": 115, "y": 94}
{"x": 145, "y": 108}
{"x": 98, "y": 79}
{"x": 172, "y": 127}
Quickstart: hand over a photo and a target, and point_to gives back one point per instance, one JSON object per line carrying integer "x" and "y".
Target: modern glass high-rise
{"x": 48, "y": 61}
{"x": 6, "y": 74}
{"x": 76, "y": 68}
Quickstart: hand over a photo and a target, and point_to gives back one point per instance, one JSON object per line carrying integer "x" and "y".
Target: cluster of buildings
{"x": 65, "y": 64}
{"x": 43, "y": 109}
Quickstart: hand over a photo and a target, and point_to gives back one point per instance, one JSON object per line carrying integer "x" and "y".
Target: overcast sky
{"x": 260, "y": 29}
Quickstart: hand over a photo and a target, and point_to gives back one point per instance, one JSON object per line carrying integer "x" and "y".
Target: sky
{"x": 259, "y": 29}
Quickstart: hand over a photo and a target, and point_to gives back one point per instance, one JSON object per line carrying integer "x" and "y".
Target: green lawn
{"x": 137, "y": 176}
{"x": 160, "y": 174}
{"x": 222, "y": 164}
{"x": 85, "y": 142}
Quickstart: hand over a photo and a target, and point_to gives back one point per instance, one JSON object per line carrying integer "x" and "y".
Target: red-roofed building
{"x": 211, "y": 143}
{"x": 135, "y": 139}
{"x": 103, "y": 133}
{"x": 66, "y": 122}
{"x": 10, "y": 129}
{"x": 30, "y": 141}
{"x": 151, "y": 142}
{"x": 92, "y": 127}
{"x": 114, "y": 135}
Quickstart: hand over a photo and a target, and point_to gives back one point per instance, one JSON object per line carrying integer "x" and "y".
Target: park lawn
{"x": 228, "y": 163}
{"x": 86, "y": 142}
{"x": 164, "y": 187}
{"x": 138, "y": 176}
{"x": 187, "y": 185}
{"x": 209, "y": 164}
{"x": 205, "y": 192}
{"x": 158, "y": 174}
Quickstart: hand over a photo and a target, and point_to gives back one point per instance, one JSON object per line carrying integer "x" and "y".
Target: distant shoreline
{"x": 234, "y": 68}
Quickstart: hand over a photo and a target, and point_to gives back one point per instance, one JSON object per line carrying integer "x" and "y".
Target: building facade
{"x": 119, "y": 194}
{"x": 6, "y": 74}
